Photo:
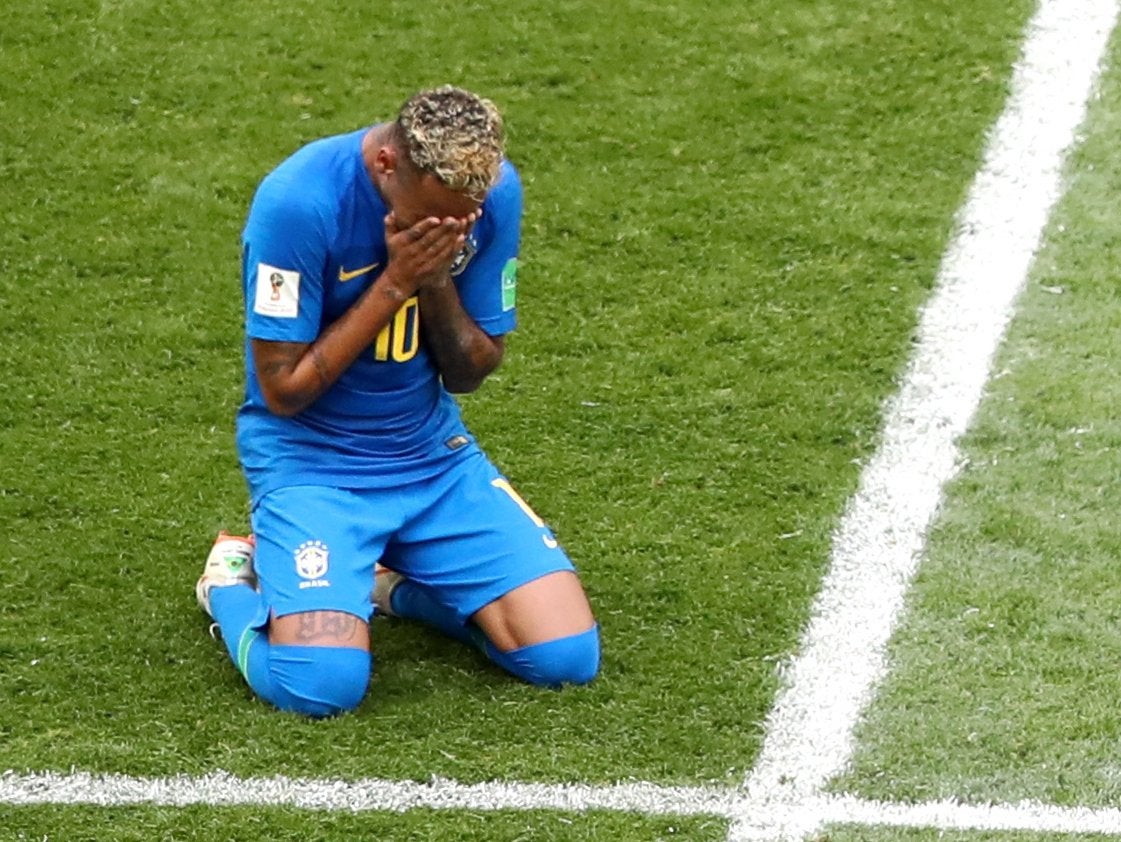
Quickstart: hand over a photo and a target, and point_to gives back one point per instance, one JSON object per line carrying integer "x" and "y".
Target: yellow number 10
{"x": 400, "y": 339}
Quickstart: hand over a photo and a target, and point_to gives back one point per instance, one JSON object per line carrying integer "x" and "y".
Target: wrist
{"x": 438, "y": 282}
{"x": 392, "y": 286}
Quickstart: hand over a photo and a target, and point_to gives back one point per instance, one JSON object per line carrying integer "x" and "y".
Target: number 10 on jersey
{"x": 400, "y": 339}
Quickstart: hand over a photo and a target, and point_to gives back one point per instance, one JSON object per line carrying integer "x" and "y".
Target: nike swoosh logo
{"x": 346, "y": 276}
{"x": 551, "y": 543}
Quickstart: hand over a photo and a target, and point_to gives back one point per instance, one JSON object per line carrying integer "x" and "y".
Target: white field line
{"x": 1027, "y": 816}
{"x": 370, "y": 794}
{"x": 878, "y": 542}
{"x": 220, "y": 789}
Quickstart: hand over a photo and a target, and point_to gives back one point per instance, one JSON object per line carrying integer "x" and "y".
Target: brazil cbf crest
{"x": 465, "y": 255}
{"x": 311, "y": 564}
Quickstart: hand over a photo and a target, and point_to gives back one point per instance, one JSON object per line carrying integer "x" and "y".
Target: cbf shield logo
{"x": 311, "y": 564}
{"x": 465, "y": 255}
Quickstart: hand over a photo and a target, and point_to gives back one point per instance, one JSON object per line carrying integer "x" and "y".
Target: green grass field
{"x": 733, "y": 214}
{"x": 1008, "y": 666}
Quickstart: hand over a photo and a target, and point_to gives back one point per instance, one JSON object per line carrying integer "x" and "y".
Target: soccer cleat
{"x": 385, "y": 581}
{"x": 230, "y": 563}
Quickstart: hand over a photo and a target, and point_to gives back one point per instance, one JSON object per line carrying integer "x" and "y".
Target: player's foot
{"x": 230, "y": 563}
{"x": 385, "y": 580}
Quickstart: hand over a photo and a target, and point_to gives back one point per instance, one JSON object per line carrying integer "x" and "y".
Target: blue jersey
{"x": 313, "y": 243}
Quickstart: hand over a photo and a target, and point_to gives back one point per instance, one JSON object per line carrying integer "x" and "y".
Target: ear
{"x": 386, "y": 160}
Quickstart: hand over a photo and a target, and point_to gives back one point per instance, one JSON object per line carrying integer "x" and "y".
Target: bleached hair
{"x": 456, "y": 136}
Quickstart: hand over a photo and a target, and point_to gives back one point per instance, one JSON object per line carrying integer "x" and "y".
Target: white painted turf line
{"x": 223, "y": 790}
{"x": 878, "y": 543}
{"x": 1027, "y": 816}
{"x": 398, "y": 796}
{"x": 876, "y": 547}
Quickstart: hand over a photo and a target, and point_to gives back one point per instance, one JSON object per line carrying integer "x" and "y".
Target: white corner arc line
{"x": 879, "y": 540}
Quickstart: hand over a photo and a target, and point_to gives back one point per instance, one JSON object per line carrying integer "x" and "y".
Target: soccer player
{"x": 379, "y": 273}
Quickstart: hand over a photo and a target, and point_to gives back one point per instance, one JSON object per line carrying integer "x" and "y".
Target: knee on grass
{"x": 565, "y": 660}
{"x": 319, "y": 681}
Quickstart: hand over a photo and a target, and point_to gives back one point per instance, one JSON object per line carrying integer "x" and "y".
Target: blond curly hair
{"x": 456, "y": 136}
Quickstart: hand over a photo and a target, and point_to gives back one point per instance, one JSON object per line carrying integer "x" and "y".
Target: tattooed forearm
{"x": 321, "y": 368}
{"x": 464, "y": 353}
{"x": 288, "y": 381}
{"x": 271, "y": 368}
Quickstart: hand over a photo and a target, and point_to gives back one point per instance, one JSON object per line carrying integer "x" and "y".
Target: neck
{"x": 376, "y": 138}
{"x": 373, "y": 140}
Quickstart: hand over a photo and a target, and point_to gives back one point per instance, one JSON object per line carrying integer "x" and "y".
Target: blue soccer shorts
{"x": 466, "y": 534}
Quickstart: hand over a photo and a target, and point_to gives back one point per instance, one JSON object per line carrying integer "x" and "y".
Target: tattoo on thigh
{"x": 326, "y": 625}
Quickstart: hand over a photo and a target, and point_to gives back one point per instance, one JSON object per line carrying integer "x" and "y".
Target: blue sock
{"x": 416, "y": 602}
{"x": 240, "y": 615}
{"x": 237, "y": 609}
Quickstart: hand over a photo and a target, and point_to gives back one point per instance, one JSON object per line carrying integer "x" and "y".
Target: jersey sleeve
{"x": 488, "y": 283}
{"x": 284, "y": 250}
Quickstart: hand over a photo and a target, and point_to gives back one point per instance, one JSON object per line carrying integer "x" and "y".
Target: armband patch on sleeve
{"x": 509, "y": 284}
{"x": 278, "y": 292}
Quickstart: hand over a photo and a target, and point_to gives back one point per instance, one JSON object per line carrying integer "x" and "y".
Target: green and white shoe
{"x": 230, "y": 563}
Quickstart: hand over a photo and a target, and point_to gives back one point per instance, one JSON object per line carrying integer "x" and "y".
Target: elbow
{"x": 469, "y": 378}
{"x": 464, "y": 367}
{"x": 462, "y": 385}
{"x": 282, "y": 403}
{"x": 288, "y": 381}
{"x": 284, "y": 410}
{"x": 464, "y": 380}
